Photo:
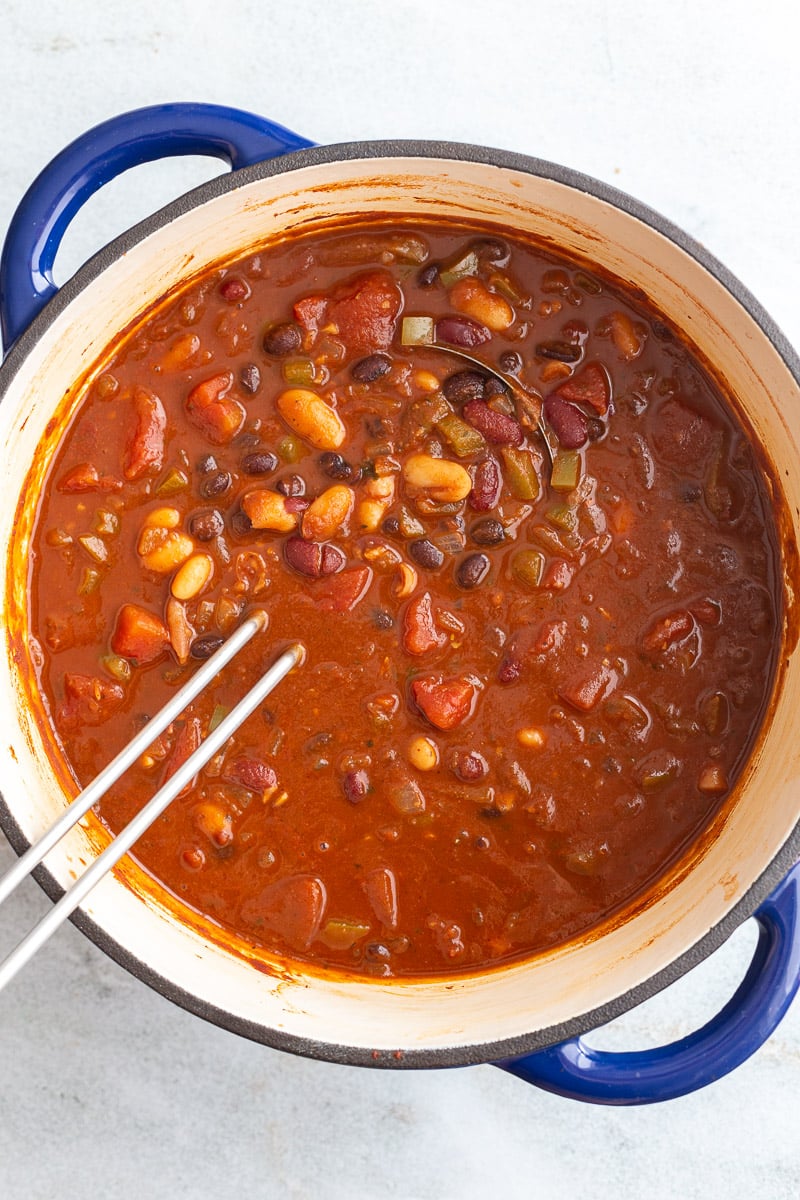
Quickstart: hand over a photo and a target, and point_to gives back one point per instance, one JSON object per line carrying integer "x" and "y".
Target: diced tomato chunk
{"x": 86, "y": 478}
{"x": 310, "y": 312}
{"x": 216, "y": 414}
{"x": 668, "y": 630}
{"x": 145, "y": 449}
{"x": 139, "y": 635}
{"x": 446, "y": 703}
{"x": 342, "y": 592}
{"x": 293, "y": 908}
{"x": 419, "y": 631}
{"x": 365, "y": 311}
{"x": 590, "y": 386}
{"x": 585, "y": 691}
{"x": 87, "y": 701}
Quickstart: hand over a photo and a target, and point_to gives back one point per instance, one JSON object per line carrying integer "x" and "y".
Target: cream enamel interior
{"x": 578, "y": 978}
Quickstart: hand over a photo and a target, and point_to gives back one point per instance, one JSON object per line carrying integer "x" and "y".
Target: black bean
{"x": 334, "y": 466}
{"x": 425, "y": 554}
{"x": 377, "y": 952}
{"x": 510, "y": 362}
{"x": 494, "y": 387}
{"x": 355, "y": 786}
{"x": 250, "y": 378}
{"x": 492, "y": 250}
{"x": 472, "y": 570}
{"x": 205, "y": 526}
{"x": 690, "y": 493}
{"x": 487, "y": 532}
{"x": 373, "y": 367}
{"x": 391, "y": 526}
{"x": 260, "y": 462}
{"x": 205, "y": 645}
{"x": 207, "y": 464}
{"x": 383, "y": 619}
{"x": 215, "y": 485}
{"x": 464, "y": 386}
{"x": 428, "y": 276}
{"x": 240, "y": 523}
{"x": 596, "y": 428}
{"x": 469, "y": 765}
{"x": 565, "y": 352}
{"x": 291, "y": 485}
{"x": 284, "y": 339}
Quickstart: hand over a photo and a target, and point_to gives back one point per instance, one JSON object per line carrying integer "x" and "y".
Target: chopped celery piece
{"x": 521, "y": 473}
{"x": 506, "y": 287}
{"x": 467, "y": 265}
{"x": 299, "y": 371}
{"x": 564, "y": 517}
{"x": 410, "y": 527}
{"x": 528, "y": 567}
{"x": 118, "y": 668}
{"x": 429, "y": 410}
{"x": 89, "y": 581}
{"x": 417, "y": 331}
{"x": 567, "y": 470}
{"x": 553, "y": 541}
{"x": 217, "y": 717}
{"x": 588, "y": 283}
{"x": 290, "y": 448}
{"x": 95, "y": 547}
{"x": 174, "y": 481}
{"x": 462, "y": 437}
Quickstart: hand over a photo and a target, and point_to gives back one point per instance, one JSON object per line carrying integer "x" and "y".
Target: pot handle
{"x": 575, "y": 1070}
{"x": 54, "y": 198}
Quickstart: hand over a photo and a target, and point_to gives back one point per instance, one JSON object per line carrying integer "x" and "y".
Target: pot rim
{"x": 468, "y": 1053}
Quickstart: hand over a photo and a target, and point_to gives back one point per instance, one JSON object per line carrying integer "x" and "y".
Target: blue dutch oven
{"x": 531, "y": 1018}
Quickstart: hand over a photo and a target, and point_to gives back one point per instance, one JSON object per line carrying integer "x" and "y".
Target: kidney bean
{"x": 373, "y": 367}
{"x": 291, "y": 485}
{"x": 250, "y": 378}
{"x": 234, "y": 290}
{"x": 464, "y": 386}
{"x": 215, "y": 485}
{"x": 472, "y": 570}
{"x": 496, "y": 427}
{"x": 313, "y": 558}
{"x": 334, "y": 466}
{"x": 487, "y": 532}
{"x": 568, "y": 422}
{"x": 205, "y": 645}
{"x": 260, "y": 462}
{"x": 565, "y": 352}
{"x": 355, "y": 786}
{"x": 425, "y": 554}
{"x": 296, "y": 504}
{"x": 487, "y": 483}
{"x": 461, "y": 331}
{"x": 469, "y": 766}
{"x": 283, "y": 339}
{"x": 205, "y": 526}
{"x": 510, "y": 670}
{"x": 251, "y": 773}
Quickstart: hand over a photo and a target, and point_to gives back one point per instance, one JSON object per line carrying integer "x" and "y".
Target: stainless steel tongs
{"x": 123, "y": 841}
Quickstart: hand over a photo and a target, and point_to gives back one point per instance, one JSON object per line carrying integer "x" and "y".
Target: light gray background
{"x": 108, "y": 1091}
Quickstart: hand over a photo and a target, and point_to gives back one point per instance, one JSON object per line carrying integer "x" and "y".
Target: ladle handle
{"x": 98, "y": 156}
{"x": 575, "y": 1070}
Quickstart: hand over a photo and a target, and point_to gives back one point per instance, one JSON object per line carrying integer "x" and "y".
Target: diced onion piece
{"x": 417, "y": 331}
{"x": 468, "y": 264}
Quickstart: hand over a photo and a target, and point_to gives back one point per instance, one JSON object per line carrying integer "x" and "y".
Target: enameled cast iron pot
{"x": 744, "y": 866}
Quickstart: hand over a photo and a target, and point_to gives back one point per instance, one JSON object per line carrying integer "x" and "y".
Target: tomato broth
{"x": 537, "y": 593}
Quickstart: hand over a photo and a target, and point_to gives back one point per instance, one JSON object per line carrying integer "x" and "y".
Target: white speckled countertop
{"x": 106, "y": 1089}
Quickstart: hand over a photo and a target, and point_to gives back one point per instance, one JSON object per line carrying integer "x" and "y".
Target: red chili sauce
{"x": 532, "y": 675}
